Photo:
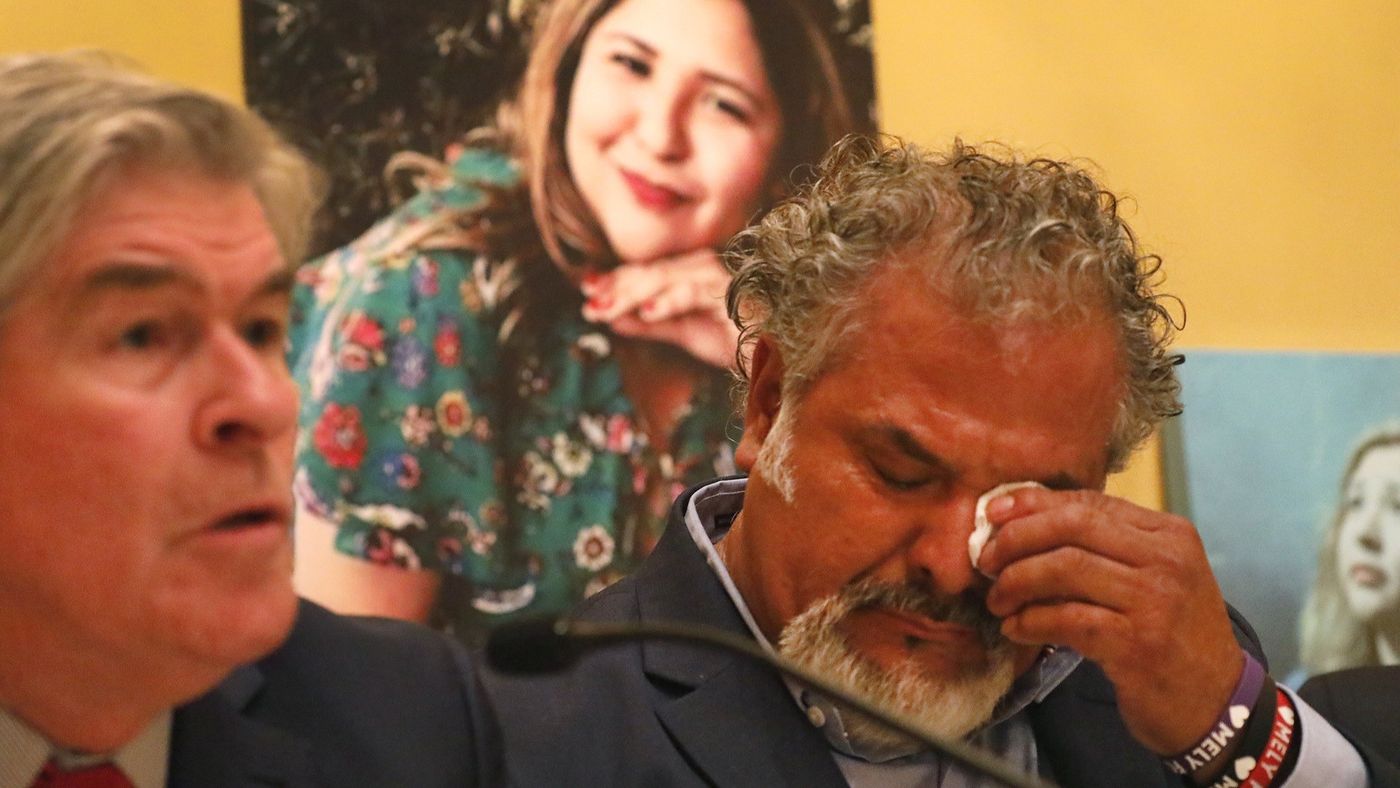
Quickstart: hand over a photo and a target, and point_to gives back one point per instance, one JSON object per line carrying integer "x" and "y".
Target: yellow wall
{"x": 193, "y": 41}
{"x": 1260, "y": 138}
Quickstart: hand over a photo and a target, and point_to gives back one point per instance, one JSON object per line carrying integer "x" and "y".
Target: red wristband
{"x": 1250, "y": 771}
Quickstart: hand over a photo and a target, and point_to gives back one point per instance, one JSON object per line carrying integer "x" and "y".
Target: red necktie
{"x": 102, "y": 776}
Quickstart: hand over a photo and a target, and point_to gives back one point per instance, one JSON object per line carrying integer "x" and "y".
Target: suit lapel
{"x": 733, "y": 717}
{"x": 741, "y": 727}
{"x": 214, "y": 744}
{"x": 1083, "y": 741}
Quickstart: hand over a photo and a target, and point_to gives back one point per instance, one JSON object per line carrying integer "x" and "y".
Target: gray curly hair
{"x": 1020, "y": 239}
{"x": 69, "y": 122}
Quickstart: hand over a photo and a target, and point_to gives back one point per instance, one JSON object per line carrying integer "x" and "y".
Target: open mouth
{"x": 247, "y": 518}
{"x": 1367, "y": 576}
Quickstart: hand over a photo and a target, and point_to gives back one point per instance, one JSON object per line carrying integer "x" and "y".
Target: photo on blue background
{"x": 1264, "y": 461}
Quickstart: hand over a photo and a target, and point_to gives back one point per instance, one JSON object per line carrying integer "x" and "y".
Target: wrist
{"x": 1208, "y": 756}
{"x": 1269, "y": 764}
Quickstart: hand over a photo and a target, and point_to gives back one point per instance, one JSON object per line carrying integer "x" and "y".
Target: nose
{"x": 661, "y": 123}
{"x": 251, "y": 400}
{"x": 1369, "y": 536}
{"x": 938, "y": 552}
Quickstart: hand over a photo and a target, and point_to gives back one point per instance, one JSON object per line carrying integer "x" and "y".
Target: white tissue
{"x": 981, "y": 529}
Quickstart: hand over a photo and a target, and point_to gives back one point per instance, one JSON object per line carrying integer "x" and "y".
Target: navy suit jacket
{"x": 344, "y": 702}
{"x": 1363, "y": 703}
{"x": 663, "y": 713}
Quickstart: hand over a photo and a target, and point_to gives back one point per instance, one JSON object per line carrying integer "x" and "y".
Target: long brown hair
{"x": 797, "y": 56}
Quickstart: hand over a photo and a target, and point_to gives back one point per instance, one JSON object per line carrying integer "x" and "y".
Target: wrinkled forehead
{"x": 40, "y": 263}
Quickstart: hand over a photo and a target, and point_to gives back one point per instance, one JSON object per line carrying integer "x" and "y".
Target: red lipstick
{"x": 650, "y": 195}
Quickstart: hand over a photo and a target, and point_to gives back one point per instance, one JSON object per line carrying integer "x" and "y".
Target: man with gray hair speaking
{"x": 149, "y": 634}
{"x": 937, "y": 347}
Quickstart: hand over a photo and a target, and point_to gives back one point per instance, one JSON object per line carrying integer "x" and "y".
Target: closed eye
{"x": 900, "y": 482}
{"x": 635, "y": 65}
{"x": 731, "y": 108}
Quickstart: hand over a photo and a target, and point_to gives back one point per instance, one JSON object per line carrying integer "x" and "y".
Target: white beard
{"x": 951, "y": 706}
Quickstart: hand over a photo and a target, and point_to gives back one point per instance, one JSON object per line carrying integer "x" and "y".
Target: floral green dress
{"x": 439, "y": 435}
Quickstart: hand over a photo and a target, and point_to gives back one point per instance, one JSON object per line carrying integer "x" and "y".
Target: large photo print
{"x": 513, "y": 351}
{"x": 1289, "y": 464}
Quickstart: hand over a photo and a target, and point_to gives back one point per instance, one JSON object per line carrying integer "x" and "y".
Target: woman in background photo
{"x": 1352, "y": 615}
{"x": 505, "y": 383}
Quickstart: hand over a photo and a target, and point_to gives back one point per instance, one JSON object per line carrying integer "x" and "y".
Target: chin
{"x": 223, "y": 632}
{"x": 949, "y": 706}
{"x": 640, "y": 242}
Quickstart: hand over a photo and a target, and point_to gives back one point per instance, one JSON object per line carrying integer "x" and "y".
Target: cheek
{"x": 597, "y": 112}
{"x": 1346, "y": 534}
{"x": 736, "y": 168}
{"x": 1390, "y": 548}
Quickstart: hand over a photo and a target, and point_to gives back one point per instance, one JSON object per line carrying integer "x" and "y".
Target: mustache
{"x": 966, "y": 610}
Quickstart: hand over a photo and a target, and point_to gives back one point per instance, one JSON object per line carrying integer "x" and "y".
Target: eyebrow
{"x": 712, "y": 76}
{"x": 147, "y": 276}
{"x": 910, "y": 445}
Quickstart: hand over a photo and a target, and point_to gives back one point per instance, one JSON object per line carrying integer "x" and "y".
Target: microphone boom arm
{"x": 603, "y": 632}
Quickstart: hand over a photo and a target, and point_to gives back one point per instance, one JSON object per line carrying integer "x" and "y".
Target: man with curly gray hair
{"x": 938, "y": 350}
{"x": 149, "y": 633}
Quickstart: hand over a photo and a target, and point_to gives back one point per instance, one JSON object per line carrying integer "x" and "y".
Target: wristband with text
{"x": 1203, "y": 755}
{"x": 1271, "y": 765}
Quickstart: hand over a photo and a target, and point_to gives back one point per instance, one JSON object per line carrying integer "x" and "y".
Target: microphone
{"x": 548, "y": 645}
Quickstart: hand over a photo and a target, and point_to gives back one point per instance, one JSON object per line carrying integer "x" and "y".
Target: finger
{"x": 1112, "y": 528}
{"x": 681, "y": 298}
{"x": 696, "y": 277}
{"x": 1095, "y": 632}
{"x": 595, "y": 283}
{"x": 1062, "y": 574}
{"x": 620, "y": 292}
{"x": 708, "y": 340}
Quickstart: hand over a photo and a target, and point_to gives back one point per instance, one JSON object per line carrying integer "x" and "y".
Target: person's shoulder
{"x": 485, "y": 166}
{"x": 447, "y": 192}
{"x": 316, "y": 625}
{"x": 1361, "y": 703}
{"x": 1346, "y": 688}
{"x": 373, "y": 649}
{"x": 379, "y": 702}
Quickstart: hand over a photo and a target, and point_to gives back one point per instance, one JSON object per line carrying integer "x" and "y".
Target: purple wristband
{"x": 1232, "y": 720}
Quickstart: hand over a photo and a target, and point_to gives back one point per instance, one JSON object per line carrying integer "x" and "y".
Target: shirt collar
{"x": 24, "y": 751}
{"x": 707, "y": 518}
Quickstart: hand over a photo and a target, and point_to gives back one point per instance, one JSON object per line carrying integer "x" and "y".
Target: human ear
{"x": 765, "y": 398}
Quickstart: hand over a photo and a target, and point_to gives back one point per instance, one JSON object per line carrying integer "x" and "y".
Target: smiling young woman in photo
{"x": 1352, "y": 616}
{"x": 506, "y": 382}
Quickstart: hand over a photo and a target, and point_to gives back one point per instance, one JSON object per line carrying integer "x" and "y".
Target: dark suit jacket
{"x": 344, "y": 702}
{"x": 662, "y": 713}
{"x": 1364, "y": 704}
